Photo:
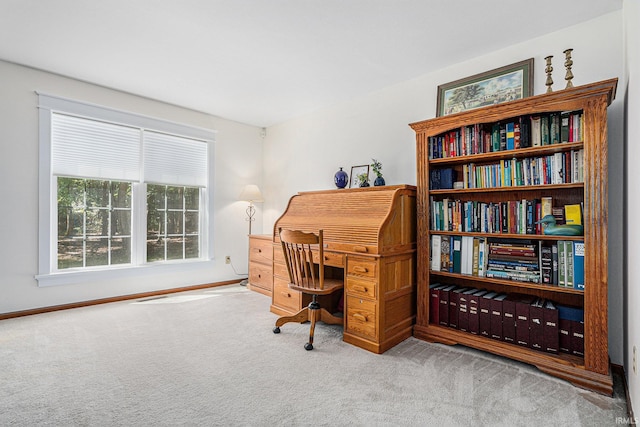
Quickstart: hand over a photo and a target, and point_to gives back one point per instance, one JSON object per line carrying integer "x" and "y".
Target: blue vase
{"x": 341, "y": 179}
{"x": 379, "y": 181}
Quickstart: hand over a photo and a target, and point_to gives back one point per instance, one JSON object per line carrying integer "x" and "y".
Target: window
{"x": 119, "y": 190}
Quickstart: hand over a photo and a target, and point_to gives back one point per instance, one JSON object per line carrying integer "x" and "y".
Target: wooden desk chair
{"x": 306, "y": 274}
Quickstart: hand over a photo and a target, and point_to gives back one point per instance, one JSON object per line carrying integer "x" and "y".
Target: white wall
{"x": 631, "y": 11}
{"x": 303, "y": 154}
{"x": 238, "y": 154}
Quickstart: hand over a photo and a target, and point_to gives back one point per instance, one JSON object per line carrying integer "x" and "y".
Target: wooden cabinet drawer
{"x": 331, "y": 258}
{"x": 361, "y": 288}
{"x": 261, "y": 251}
{"x": 361, "y": 317}
{"x": 260, "y": 275}
{"x": 362, "y": 268}
{"x": 284, "y": 297}
{"x": 280, "y": 270}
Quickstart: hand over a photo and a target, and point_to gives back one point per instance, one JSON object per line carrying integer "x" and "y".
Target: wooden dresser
{"x": 370, "y": 238}
{"x": 261, "y": 263}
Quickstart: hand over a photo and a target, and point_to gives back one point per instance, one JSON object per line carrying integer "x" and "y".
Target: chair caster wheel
{"x": 276, "y": 330}
{"x": 308, "y": 346}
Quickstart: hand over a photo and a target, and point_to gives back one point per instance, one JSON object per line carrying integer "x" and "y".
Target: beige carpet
{"x": 208, "y": 358}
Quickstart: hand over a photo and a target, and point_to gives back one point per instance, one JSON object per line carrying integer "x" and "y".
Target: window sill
{"x": 113, "y": 273}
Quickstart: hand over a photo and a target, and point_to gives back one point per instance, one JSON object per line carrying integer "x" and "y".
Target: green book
{"x": 457, "y": 254}
{"x": 569, "y": 264}
{"x": 562, "y": 264}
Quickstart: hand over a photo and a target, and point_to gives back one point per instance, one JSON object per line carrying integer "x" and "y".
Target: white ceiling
{"x": 262, "y": 62}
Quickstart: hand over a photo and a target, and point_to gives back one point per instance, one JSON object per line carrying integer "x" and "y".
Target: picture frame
{"x": 354, "y": 182}
{"x": 508, "y": 83}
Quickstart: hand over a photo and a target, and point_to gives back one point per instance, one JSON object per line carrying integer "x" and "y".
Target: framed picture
{"x": 354, "y": 182}
{"x": 503, "y": 84}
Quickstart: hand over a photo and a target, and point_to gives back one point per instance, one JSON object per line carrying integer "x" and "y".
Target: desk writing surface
{"x": 371, "y": 234}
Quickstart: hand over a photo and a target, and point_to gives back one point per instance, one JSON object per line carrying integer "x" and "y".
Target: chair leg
{"x": 314, "y": 314}
{"x": 299, "y": 317}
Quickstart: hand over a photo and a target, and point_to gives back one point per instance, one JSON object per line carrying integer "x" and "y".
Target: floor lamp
{"x": 250, "y": 193}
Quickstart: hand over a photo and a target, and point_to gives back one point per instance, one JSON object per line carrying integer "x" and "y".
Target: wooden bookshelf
{"x": 592, "y": 371}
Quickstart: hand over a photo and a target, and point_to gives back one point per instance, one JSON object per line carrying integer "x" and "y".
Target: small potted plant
{"x": 377, "y": 169}
{"x": 363, "y": 178}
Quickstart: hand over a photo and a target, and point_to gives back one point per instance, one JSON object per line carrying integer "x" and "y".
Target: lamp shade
{"x": 251, "y": 193}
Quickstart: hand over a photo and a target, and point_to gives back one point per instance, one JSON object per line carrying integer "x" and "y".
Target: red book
{"x": 443, "y": 313}
{"x": 509, "y": 319}
{"x": 522, "y": 321}
{"x": 551, "y": 328}
{"x": 474, "y": 311}
{"x": 485, "y": 314}
{"x": 454, "y": 296}
{"x": 496, "y": 317}
{"x": 536, "y": 325}
{"x": 434, "y": 302}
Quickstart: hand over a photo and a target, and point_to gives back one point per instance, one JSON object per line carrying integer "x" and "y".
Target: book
{"x": 564, "y": 126}
{"x": 443, "y": 313}
{"x": 445, "y": 250}
{"x": 544, "y": 130}
{"x": 434, "y": 302}
{"x": 454, "y": 312}
{"x": 474, "y": 311}
{"x": 573, "y": 214}
{"x": 536, "y": 135}
{"x": 496, "y": 316}
{"x": 562, "y": 263}
{"x": 463, "y": 309}
{"x": 509, "y": 319}
{"x": 436, "y": 252}
{"x": 523, "y": 306}
{"x": 569, "y": 263}
{"x": 554, "y": 257}
{"x": 510, "y": 136}
{"x": 546, "y": 264}
{"x": 457, "y": 254}
{"x": 484, "y": 317}
{"x": 550, "y": 327}
{"x": 546, "y": 206}
{"x": 578, "y": 265}
{"x": 536, "y": 324}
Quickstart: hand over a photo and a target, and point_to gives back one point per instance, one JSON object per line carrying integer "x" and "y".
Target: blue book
{"x": 578, "y": 265}
{"x": 510, "y": 136}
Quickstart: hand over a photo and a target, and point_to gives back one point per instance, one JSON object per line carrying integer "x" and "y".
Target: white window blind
{"x": 94, "y": 149}
{"x": 174, "y": 160}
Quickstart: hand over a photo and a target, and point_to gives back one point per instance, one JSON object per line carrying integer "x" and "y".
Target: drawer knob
{"x": 360, "y": 317}
{"x": 360, "y": 269}
{"x": 360, "y": 288}
{"x": 259, "y": 250}
{"x": 286, "y": 294}
{"x": 259, "y": 275}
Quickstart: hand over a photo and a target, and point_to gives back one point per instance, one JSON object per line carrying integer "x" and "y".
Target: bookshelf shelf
{"x": 482, "y": 281}
{"x": 509, "y": 236}
{"x": 584, "y": 172}
{"x": 545, "y": 188}
{"x": 509, "y": 154}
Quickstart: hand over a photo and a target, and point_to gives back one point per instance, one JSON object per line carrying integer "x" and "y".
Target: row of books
{"x": 559, "y": 168}
{"x": 559, "y": 263}
{"x": 523, "y": 320}
{"x": 513, "y": 216}
{"x": 520, "y": 132}
{"x": 562, "y": 264}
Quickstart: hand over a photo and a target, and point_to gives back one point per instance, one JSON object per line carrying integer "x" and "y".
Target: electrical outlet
{"x": 227, "y": 259}
{"x": 635, "y": 361}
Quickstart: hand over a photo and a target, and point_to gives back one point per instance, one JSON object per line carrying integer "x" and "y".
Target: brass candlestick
{"x": 548, "y": 70}
{"x": 568, "y": 63}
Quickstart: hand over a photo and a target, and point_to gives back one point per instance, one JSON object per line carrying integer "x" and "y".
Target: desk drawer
{"x": 362, "y": 268}
{"x": 331, "y": 258}
{"x": 280, "y": 270}
{"x": 261, "y": 276}
{"x": 361, "y": 317}
{"x": 361, "y": 288}
{"x": 284, "y": 297}
{"x": 261, "y": 251}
